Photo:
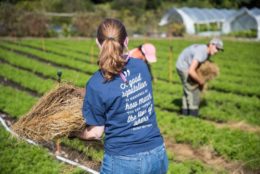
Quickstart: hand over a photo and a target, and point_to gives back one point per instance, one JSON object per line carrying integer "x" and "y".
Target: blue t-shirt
{"x": 126, "y": 110}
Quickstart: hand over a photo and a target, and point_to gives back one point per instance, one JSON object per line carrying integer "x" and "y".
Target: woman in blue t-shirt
{"x": 119, "y": 103}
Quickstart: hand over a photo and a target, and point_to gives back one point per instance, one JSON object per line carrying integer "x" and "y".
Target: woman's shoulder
{"x": 95, "y": 80}
{"x": 136, "y": 62}
{"x": 98, "y": 83}
{"x": 97, "y": 75}
{"x": 137, "y": 66}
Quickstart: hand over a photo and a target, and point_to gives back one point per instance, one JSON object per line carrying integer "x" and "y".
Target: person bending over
{"x": 188, "y": 61}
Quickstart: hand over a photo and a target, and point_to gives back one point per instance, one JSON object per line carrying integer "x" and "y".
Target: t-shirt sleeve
{"x": 200, "y": 55}
{"x": 93, "y": 109}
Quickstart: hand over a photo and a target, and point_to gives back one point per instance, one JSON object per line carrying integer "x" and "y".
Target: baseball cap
{"x": 149, "y": 52}
{"x": 218, "y": 42}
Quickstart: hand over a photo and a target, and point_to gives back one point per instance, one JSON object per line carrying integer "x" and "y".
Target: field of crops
{"x": 224, "y": 139}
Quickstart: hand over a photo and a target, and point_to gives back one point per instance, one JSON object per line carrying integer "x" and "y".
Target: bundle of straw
{"x": 57, "y": 114}
{"x": 206, "y": 71}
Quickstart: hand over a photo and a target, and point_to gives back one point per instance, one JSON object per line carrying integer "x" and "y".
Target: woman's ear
{"x": 98, "y": 44}
{"x": 126, "y": 42}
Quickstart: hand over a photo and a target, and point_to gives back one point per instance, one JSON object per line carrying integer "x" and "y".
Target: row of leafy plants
{"x": 12, "y": 100}
{"x": 187, "y": 132}
{"x": 214, "y": 86}
{"x": 195, "y": 140}
{"x": 218, "y": 117}
{"x": 165, "y": 100}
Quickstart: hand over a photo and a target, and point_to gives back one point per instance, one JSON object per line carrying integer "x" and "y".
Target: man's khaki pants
{"x": 191, "y": 93}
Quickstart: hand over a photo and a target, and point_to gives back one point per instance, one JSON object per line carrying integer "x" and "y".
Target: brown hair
{"x": 111, "y": 35}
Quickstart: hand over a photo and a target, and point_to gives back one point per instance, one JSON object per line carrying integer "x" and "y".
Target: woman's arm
{"x": 91, "y": 133}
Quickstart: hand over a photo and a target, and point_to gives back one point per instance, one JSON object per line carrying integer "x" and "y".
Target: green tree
{"x": 101, "y": 1}
{"x": 71, "y": 6}
{"x": 136, "y": 7}
{"x": 153, "y": 4}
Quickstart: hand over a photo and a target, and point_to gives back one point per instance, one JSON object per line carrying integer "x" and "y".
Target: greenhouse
{"x": 243, "y": 20}
{"x": 214, "y": 21}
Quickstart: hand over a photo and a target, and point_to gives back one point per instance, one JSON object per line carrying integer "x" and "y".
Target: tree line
{"x": 28, "y": 18}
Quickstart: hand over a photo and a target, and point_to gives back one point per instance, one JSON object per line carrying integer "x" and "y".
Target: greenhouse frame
{"x": 224, "y": 21}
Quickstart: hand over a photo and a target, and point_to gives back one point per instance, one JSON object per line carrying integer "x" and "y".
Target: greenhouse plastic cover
{"x": 198, "y": 15}
{"x": 232, "y": 20}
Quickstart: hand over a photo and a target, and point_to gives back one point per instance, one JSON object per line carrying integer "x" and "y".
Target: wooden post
{"x": 170, "y": 64}
{"x": 43, "y": 44}
{"x": 15, "y": 39}
{"x": 144, "y": 39}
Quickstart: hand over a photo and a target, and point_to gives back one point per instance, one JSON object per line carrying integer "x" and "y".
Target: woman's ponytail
{"x": 111, "y": 35}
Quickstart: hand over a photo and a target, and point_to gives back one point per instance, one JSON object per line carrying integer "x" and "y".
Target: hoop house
{"x": 193, "y": 18}
{"x": 243, "y": 20}
{"x": 214, "y": 21}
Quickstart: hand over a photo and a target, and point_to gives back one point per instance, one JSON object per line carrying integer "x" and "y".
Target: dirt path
{"x": 207, "y": 156}
{"x": 242, "y": 125}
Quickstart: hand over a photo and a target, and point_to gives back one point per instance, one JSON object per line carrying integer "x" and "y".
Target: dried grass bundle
{"x": 206, "y": 71}
{"x": 57, "y": 114}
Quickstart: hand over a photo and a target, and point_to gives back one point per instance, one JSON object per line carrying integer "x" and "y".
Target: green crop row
{"x": 80, "y": 49}
{"x": 55, "y": 49}
{"x": 46, "y": 69}
{"x": 15, "y": 102}
{"x": 192, "y": 166}
{"x": 217, "y": 115}
{"x": 210, "y": 108}
{"x": 231, "y": 144}
{"x": 25, "y": 79}
{"x": 215, "y": 106}
{"x": 223, "y": 83}
{"x": 22, "y": 158}
{"x": 80, "y": 45}
{"x": 63, "y": 61}
{"x": 208, "y": 111}
{"x": 236, "y": 88}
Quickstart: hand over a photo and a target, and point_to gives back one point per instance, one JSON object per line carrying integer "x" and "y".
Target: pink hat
{"x": 150, "y": 52}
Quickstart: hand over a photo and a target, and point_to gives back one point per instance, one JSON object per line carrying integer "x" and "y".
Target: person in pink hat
{"x": 146, "y": 52}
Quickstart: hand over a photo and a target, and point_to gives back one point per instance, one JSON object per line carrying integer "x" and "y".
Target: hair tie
{"x": 110, "y": 38}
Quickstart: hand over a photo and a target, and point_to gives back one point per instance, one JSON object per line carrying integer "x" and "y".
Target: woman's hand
{"x": 91, "y": 133}
{"x": 81, "y": 91}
